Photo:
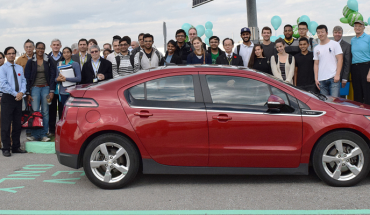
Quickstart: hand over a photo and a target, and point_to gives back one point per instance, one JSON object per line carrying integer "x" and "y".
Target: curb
{"x": 40, "y": 147}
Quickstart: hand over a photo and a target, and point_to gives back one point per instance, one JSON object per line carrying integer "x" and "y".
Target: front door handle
{"x": 222, "y": 117}
{"x": 144, "y": 114}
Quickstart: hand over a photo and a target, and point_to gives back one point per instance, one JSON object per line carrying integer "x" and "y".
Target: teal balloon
{"x": 209, "y": 33}
{"x": 353, "y": 5}
{"x": 281, "y": 36}
{"x": 312, "y": 27}
{"x": 200, "y": 30}
{"x": 186, "y": 27}
{"x": 206, "y": 40}
{"x": 209, "y": 25}
{"x": 273, "y": 38}
{"x": 305, "y": 19}
{"x": 276, "y": 22}
{"x": 368, "y": 20}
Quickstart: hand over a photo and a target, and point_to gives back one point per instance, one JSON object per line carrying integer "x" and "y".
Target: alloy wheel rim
{"x": 343, "y": 160}
{"x": 109, "y": 162}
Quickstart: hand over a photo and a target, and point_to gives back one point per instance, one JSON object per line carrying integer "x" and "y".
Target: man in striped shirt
{"x": 122, "y": 66}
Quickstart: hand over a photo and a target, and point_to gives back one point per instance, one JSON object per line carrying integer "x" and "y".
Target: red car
{"x": 210, "y": 120}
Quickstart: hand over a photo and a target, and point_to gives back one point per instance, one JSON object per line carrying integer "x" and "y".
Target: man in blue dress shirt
{"x": 13, "y": 86}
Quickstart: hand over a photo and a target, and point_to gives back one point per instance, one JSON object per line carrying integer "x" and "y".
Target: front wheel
{"x": 341, "y": 159}
{"x": 111, "y": 161}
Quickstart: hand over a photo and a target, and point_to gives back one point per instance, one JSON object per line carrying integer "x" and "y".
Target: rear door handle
{"x": 222, "y": 117}
{"x": 145, "y": 114}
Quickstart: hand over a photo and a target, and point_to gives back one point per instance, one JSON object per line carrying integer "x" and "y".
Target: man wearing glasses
{"x": 302, "y": 30}
{"x": 183, "y": 49}
{"x": 122, "y": 65}
{"x": 148, "y": 57}
{"x": 97, "y": 68}
{"x": 13, "y": 86}
{"x": 360, "y": 69}
{"x": 192, "y": 34}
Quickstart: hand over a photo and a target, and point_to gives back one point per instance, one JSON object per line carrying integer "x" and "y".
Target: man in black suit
{"x": 347, "y": 56}
{"x": 82, "y": 56}
{"x": 228, "y": 57}
{"x": 97, "y": 68}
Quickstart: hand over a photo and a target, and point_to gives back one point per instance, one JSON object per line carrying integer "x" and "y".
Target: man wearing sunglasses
{"x": 97, "y": 68}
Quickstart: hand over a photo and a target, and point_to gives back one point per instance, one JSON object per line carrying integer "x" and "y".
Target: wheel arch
{"x": 91, "y": 137}
{"x": 363, "y": 136}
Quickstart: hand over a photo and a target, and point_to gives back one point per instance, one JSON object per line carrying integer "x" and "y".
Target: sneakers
{"x": 31, "y": 138}
{"x": 45, "y": 139}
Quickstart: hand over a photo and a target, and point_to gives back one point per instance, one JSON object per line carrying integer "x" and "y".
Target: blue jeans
{"x": 39, "y": 98}
{"x": 329, "y": 88}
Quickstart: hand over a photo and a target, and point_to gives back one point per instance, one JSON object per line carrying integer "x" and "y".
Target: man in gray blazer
{"x": 347, "y": 56}
{"x": 82, "y": 56}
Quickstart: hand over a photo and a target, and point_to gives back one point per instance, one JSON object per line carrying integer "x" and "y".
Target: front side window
{"x": 174, "y": 88}
{"x": 237, "y": 90}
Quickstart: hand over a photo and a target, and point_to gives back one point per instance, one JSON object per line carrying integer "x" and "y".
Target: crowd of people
{"x": 316, "y": 65}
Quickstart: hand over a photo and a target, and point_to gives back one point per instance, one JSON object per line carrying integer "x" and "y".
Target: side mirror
{"x": 275, "y": 102}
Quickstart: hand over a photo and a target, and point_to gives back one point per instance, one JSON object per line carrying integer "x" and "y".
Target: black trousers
{"x": 11, "y": 111}
{"x": 361, "y": 88}
{"x": 53, "y": 108}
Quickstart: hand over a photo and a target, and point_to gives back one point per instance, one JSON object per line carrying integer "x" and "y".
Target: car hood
{"x": 348, "y": 106}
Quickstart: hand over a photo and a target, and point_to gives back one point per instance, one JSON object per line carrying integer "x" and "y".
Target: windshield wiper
{"x": 319, "y": 95}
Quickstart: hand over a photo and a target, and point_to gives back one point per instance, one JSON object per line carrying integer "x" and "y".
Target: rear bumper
{"x": 69, "y": 160}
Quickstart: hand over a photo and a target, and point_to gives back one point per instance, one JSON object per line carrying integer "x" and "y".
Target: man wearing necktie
{"x": 13, "y": 86}
{"x": 228, "y": 57}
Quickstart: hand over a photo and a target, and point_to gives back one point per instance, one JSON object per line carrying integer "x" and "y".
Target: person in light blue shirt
{"x": 360, "y": 69}
{"x": 13, "y": 85}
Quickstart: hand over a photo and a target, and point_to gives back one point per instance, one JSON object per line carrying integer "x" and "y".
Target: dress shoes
{"x": 19, "y": 150}
{"x": 6, "y": 153}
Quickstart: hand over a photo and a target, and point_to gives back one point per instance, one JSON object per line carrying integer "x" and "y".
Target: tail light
{"x": 81, "y": 102}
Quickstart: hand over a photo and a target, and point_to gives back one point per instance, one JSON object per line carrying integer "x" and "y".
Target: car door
{"x": 242, "y": 133}
{"x": 168, "y": 115}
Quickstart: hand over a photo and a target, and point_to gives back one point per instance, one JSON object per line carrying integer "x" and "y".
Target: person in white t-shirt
{"x": 328, "y": 58}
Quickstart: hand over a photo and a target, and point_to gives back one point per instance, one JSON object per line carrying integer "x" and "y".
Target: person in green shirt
{"x": 213, "y": 50}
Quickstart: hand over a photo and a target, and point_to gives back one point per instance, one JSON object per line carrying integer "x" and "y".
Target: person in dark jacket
{"x": 40, "y": 76}
{"x": 182, "y": 48}
{"x": 199, "y": 55}
{"x": 258, "y": 60}
{"x": 172, "y": 56}
{"x": 213, "y": 50}
{"x": 97, "y": 68}
{"x": 228, "y": 57}
{"x": 192, "y": 35}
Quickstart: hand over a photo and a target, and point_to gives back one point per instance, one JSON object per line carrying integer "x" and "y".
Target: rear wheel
{"x": 111, "y": 161}
{"x": 341, "y": 159}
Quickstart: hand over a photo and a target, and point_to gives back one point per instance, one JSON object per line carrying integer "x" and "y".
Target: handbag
{"x": 31, "y": 119}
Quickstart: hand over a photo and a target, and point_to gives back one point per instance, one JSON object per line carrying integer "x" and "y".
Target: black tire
{"x": 318, "y": 163}
{"x": 132, "y": 152}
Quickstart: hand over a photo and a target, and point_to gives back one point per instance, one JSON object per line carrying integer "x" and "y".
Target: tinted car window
{"x": 237, "y": 90}
{"x": 174, "y": 88}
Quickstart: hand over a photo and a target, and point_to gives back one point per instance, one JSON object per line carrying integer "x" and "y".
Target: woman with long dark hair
{"x": 258, "y": 60}
{"x": 172, "y": 55}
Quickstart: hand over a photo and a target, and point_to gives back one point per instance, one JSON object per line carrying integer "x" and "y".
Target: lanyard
{"x": 96, "y": 67}
{"x": 82, "y": 62}
{"x": 231, "y": 59}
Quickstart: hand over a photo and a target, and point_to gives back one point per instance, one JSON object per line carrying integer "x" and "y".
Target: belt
{"x": 364, "y": 63}
{"x": 46, "y": 85}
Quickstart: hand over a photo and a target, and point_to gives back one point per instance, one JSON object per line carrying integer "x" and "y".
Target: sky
{"x": 67, "y": 20}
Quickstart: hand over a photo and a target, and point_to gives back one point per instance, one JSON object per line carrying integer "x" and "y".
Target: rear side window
{"x": 237, "y": 90}
{"x": 174, "y": 88}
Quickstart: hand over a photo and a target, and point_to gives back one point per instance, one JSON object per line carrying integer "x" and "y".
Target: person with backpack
{"x": 228, "y": 57}
{"x": 199, "y": 55}
{"x": 302, "y": 30}
{"x": 258, "y": 60}
{"x": 246, "y": 48}
{"x": 282, "y": 64}
{"x": 122, "y": 65}
{"x": 149, "y": 56}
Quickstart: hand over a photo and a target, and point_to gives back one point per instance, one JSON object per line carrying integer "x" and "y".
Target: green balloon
{"x": 353, "y": 17}
{"x": 187, "y": 39}
{"x": 347, "y": 11}
{"x": 298, "y": 20}
{"x": 344, "y": 20}
{"x": 295, "y": 31}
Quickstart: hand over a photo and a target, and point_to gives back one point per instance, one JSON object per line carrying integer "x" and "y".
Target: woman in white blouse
{"x": 283, "y": 66}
